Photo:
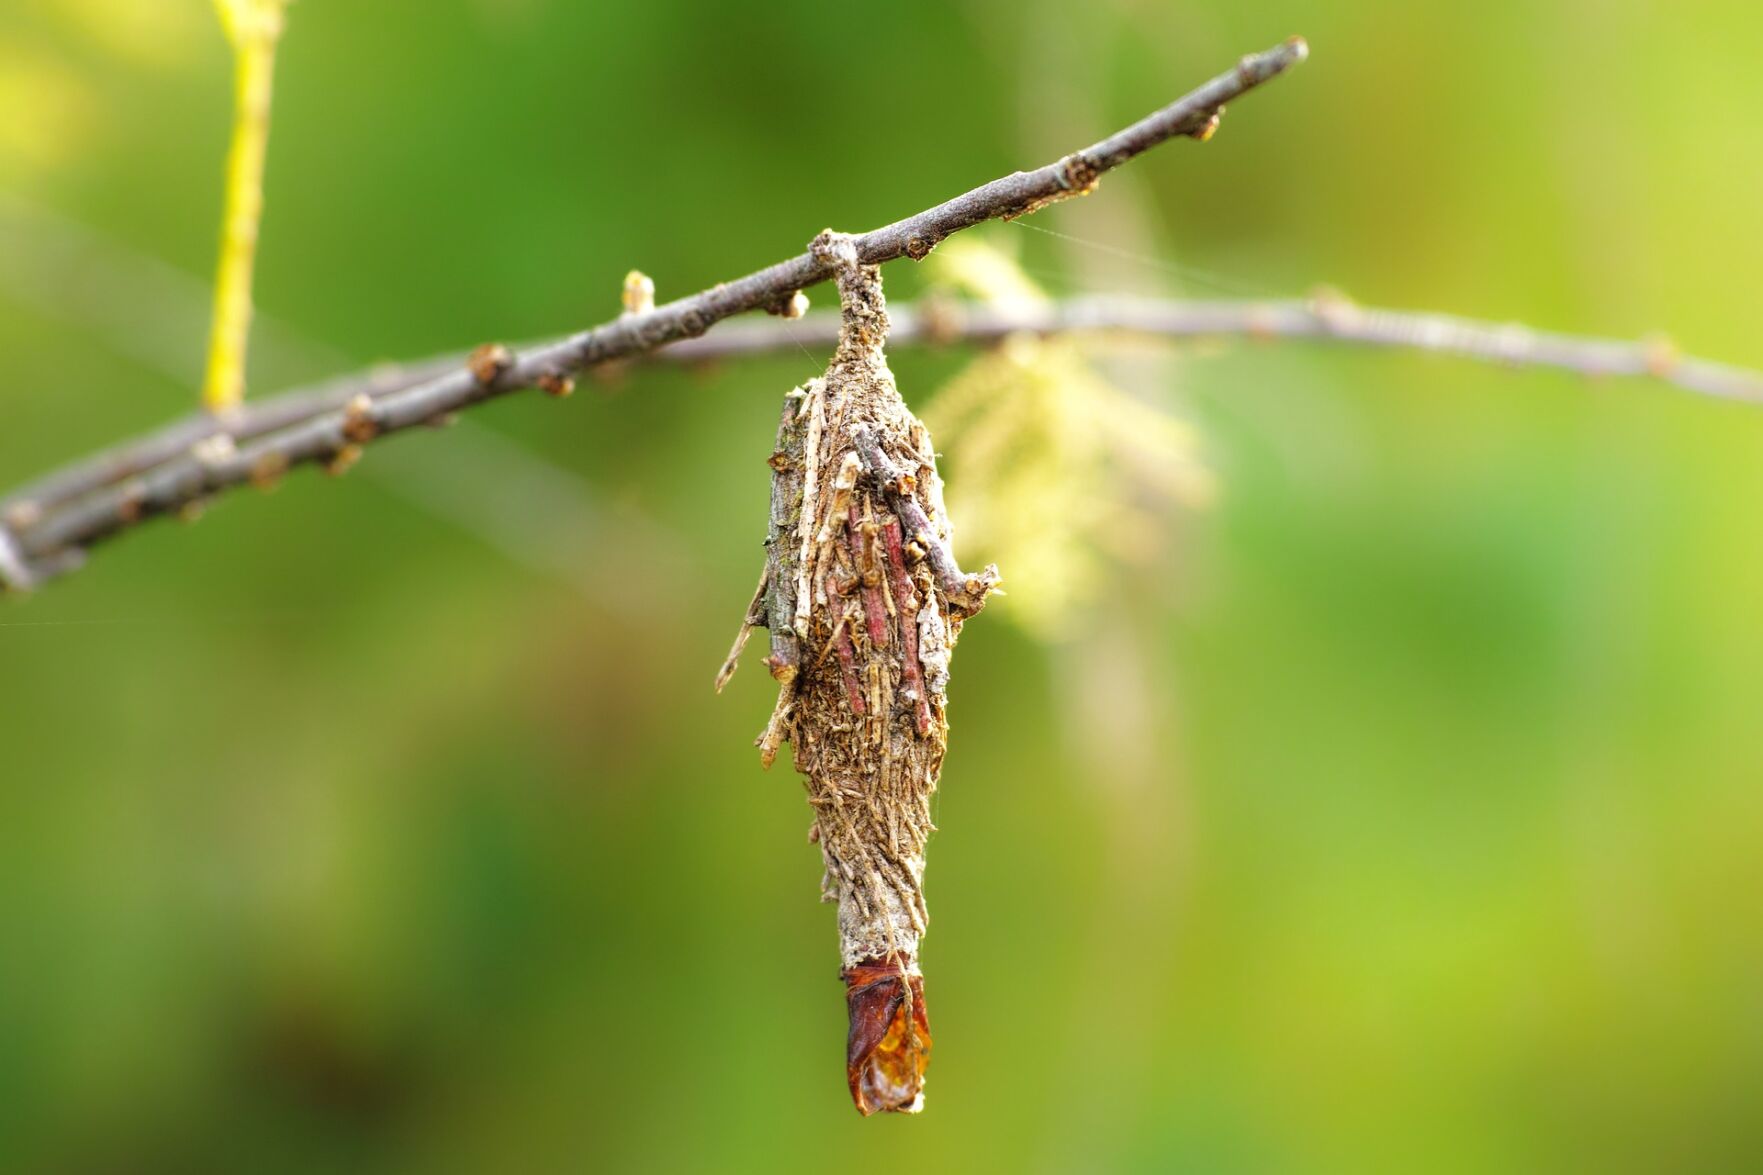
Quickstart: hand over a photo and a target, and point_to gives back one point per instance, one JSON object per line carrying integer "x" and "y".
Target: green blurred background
{"x": 1398, "y": 812}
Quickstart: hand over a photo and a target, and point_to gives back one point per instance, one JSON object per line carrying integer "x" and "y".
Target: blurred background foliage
{"x": 1398, "y": 810}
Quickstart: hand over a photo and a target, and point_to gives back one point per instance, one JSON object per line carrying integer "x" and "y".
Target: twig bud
{"x": 639, "y": 292}
{"x": 21, "y": 515}
{"x": 359, "y": 425}
{"x": 1205, "y": 130}
{"x": 268, "y": 469}
{"x": 343, "y": 460}
{"x": 131, "y": 500}
{"x": 1661, "y": 355}
{"x": 794, "y": 306}
{"x": 211, "y": 452}
{"x": 556, "y": 385}
{"x": 488, "y": 362}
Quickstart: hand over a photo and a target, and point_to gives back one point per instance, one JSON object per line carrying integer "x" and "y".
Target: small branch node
{"x": 488, "y": 363}
{"x": 1075, "y": 175}
{"x": 1334, "y": 309}
{"x": 1204, "y": 132}
{"x": 835, "y": 250}
{"x": 268, "y": 470}
{"x": 556, "y": 385}
{"x": 23, "y": 515}
{"x": 794, "y": 306}
{"x": 1661, "y": 355}
{"x": 131, "y": 501}
{"x": 213, "y": 452}
{"x": 1261, "y": 324}
{"x": 1078, "y": 175}
{"x": 359, "y": 424}
{"x": 782, "y": 671}
{"x": 638, "y": 296}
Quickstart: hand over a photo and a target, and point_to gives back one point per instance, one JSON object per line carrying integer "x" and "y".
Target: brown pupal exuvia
{"x": 864, "y": 600}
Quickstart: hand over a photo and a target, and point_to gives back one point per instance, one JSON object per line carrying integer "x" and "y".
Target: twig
{"x": 967, "y": 592}
{"x": 511, "y": 498}
{"x": 1325, "y": 318}
{"x": 1331, "y": 317}
{"x": 220, "y": 462}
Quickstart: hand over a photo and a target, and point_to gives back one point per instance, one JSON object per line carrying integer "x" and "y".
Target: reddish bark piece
{"x": 847, "y": 655}
{"x": 962, "y": 591}
{"x": 906, "y": 600}
{"x": 874, "y": 610}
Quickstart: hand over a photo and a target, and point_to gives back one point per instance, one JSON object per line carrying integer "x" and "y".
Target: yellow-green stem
{"x": 255, "y": 27}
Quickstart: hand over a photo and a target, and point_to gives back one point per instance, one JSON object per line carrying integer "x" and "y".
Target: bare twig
{"x": 1324, "y": 318}
{"x": 218, "y": 461}
{"x": 1331, "y": 317}
{"x": 964, "y": 591}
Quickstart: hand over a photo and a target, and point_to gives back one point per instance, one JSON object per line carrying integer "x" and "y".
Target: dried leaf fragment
{"x": 888, "y": 1046}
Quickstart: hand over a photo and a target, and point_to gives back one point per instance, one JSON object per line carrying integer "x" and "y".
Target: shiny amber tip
{"x": 889, "y": 1043}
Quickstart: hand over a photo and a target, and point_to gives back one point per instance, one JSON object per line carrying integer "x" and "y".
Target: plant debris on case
{"x": 864, "y": 601}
